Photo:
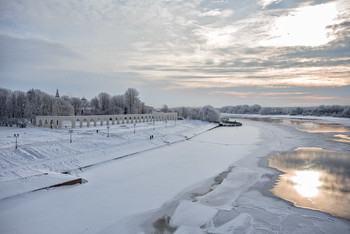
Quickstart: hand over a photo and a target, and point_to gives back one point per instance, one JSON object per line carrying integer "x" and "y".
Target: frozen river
{"x": 314, "y": 178}
{"x": 216, "y": 182}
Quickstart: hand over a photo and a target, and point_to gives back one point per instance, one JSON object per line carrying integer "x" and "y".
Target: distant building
{"x": 85, "y": 108}
{"x": 157, "y": 110}
{"x": 57, "y": 94}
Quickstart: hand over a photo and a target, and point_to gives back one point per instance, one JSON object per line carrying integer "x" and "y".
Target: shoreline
{"x": 160, "y": 220}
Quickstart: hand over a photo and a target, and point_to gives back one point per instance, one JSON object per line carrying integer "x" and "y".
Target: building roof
{"x": 57, "y": 94}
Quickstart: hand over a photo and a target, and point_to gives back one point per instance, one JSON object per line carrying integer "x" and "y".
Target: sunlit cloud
{"x": 305, "y": 26}
{"x": 214, "y": 12}
{"x": 256, "y": 94}
{"x": 265, "y": 3}
{"x": 283, "y": 82}
{"x": 277, "y": 95}
{"x": 313, "y": 97}
{"x": 218, "y": 37}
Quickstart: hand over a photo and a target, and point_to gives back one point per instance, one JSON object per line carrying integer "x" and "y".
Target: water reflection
{"x": 343, "y": 138}
{"x": 308, "y": 125}
{"x": 315, "y": 178}
{"x": 307, "y": 183}
{"x": 315, "y": 127}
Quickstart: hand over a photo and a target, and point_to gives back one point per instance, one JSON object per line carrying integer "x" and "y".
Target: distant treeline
{"x": 17, "y": 107}
{"x": 330, "y": 110}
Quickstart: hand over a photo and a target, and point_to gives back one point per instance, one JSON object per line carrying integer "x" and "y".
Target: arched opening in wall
{"x": 66, "y": 124}
{"x": 40, "y": 124}
{"x": 85, "y": 122}
{"x": 51, "y": 123}
{"x": 77, "y": 123}
{"x": 98, "y": 121}
{"x": 92, "y": 122}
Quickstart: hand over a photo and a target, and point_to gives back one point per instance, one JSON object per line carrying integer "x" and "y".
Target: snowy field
{"x": 215, "y": 182}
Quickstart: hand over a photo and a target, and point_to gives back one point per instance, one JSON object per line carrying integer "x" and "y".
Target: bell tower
{"x": 57, "y": 94}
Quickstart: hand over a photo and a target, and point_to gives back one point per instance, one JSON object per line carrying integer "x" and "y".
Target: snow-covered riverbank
{"x": 210, "y": 183}
{"x": 42, "y": 150}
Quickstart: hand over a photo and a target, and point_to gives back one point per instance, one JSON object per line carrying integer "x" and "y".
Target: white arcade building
{"x": 94, "y": 120}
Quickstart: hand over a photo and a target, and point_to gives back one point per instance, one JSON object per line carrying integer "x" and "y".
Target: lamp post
{"x": 134, "y": 127}
{"x": 16, "y": 136}
{"x": 70, "y": 133}
{"x": 108, "y": 130}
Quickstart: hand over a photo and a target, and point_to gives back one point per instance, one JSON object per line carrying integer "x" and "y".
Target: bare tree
{"x": 132, "y": 100}
{"x": 116, "y": 104}
{"x": 76, "y": 103}
{"x": 62, "y": 107}
{"x": 4, "y": 94}
{"x": 94, "y": 105}
{"x": 165, "y": 108}
{"x": 103, "y": 102}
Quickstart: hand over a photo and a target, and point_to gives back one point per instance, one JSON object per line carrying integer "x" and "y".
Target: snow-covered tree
{"x": 95, "y": 106}
{"x": 116, "y": 104}
{"x": 210, "y": 114}
{"x": 63, "y": 107}
{"x": 194, "y": 113}
{"x": 76, "y": 103}
{"x": 132, "y": 100}
{"x": 165, "y": 108}
{"x": 4, "y": 95}
{"x": 103, "y": 102}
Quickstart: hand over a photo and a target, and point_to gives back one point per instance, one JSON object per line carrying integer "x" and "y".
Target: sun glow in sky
{"x": 193, "y": 52}
{"x": 305, "y": 26}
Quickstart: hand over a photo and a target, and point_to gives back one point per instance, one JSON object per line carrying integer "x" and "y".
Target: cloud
{"x": 177, "y": 46}
{"x": 277, "y": 95}
{"x": 266, "y": 3}
{"x": 25, "y": 52}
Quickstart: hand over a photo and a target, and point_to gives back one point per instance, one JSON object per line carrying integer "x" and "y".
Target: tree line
{"x": 322, "y": 110}
{"x": 17, "y": 107}
{"x": 206, "y": 113}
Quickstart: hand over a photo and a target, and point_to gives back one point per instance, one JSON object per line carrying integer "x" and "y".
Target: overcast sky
{"x": 179, "y": 52}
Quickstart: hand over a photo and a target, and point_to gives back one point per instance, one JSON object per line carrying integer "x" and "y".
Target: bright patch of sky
{"x": 187, "y": 52}
{"x": 305, "y": 26}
